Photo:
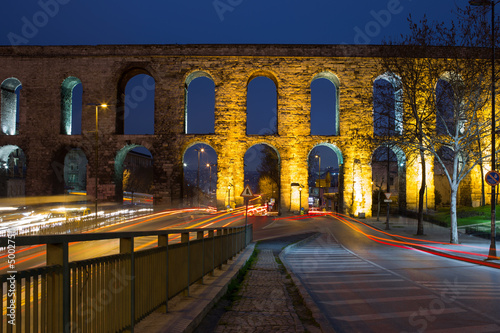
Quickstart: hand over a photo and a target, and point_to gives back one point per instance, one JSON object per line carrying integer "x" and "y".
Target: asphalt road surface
{"x": 364, "y": 286}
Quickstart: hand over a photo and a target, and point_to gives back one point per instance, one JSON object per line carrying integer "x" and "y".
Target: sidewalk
{"x": 470, "y": 248}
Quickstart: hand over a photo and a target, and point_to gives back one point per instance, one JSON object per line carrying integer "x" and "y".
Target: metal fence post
{"x": 163, "y": 241}
{"x": 185, "y": 239}
{"x": 57, "y": 254}
{"x": 127, "y": 246}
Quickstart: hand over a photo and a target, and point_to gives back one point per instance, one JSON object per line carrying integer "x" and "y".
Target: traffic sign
{"x": 388, "y": 200}
{"x": 247, "y": 192}
{"x": 388, "y": 195}
{"x": 492, "y": 178}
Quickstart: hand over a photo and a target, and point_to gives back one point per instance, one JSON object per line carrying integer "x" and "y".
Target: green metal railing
{"x": 112, "y": 293}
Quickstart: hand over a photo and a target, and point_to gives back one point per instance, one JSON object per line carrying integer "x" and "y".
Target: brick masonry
{"x": 105, "y": 69}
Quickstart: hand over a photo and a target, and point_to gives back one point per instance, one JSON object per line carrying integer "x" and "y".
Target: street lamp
{"x": 201, "y": 150}
{"x": 209, "y": 165}
{"x": 319, "y": 178}
{"x": 483, "y": 3}
{"x": 104, "y": 106}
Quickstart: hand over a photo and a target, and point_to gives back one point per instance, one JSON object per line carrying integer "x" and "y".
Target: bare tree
{"x": 436, "y": 119}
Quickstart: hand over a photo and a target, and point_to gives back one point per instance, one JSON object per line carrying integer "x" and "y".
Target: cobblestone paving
{"x": 264, "y": 305}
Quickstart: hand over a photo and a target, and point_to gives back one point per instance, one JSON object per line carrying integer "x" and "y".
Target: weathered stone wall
{"x": 103, "y": 71}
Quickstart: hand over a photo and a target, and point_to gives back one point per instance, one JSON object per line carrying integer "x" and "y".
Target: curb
{"x": 189, "y": 311}
{"x": 316, "y": 312}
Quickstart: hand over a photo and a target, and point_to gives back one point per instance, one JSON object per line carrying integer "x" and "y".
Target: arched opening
{"x": 10, "y": 95}
{"x": 325, "y": 104}
{"x": 199, "y": 104}
{"x": 135, "y": 108}
{"x": 134, "y": 175}
{"x": 387, "y": 106}
{"x": 445, "y": 115}
{"x": 325, "y": 180}
{"x": 71, "y": 106}
{"x": 200, "y": 175}
{"x": 262, "y": 106}
{"x": 388, "y": 176}
{"x": 12, "y": 171}
{"x": 262, "y": 174}
{"x": 75, "y": 171}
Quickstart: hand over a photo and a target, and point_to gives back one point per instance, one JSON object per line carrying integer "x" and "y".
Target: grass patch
{"x": 235, "y": 284}
{"x": 465, "y": 215}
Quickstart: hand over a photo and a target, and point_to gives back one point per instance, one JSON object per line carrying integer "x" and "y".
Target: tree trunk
{"x": 421, "y": 193}
{"x": 453, "y": 216}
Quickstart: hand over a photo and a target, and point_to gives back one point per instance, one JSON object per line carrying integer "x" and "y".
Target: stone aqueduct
{"x": 104, "y": 71}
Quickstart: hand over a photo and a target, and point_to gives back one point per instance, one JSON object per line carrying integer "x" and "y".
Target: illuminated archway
{"x": 75, "y": 171}
{"x": 325, "y": 177}
{"x": 134, "y": 174}
{"x": 262, "y": 172}
{"x": 325, "y": 95}
{"x": 200, "y": 175}
{"x": 262, "y": 106}
{"x": 199, "y": 109}
{"x": 136, "y": 102}
{"x": 71, "y": 107}
{"x": 12, "y": 171}
{"x": 10, "y": 92}
{"x": 387, "y": 105}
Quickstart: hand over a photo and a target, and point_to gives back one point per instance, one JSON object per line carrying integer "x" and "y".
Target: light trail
{"x": 415, "y": 246}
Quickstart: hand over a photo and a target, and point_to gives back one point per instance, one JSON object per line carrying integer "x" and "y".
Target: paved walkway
{"x": 265, "y": 305}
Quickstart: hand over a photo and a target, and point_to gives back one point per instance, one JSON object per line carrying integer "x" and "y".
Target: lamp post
{"x": 484, "y": 3}
{"x": 209, "y": 165}
{"x": 319, "y": 178}
{"x": 201, "y": 150}
{"x": 104, "y": 106}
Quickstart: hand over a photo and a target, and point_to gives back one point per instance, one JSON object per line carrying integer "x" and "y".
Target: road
{"x": 365, "y": 286}
{"x": 179, "y": 218}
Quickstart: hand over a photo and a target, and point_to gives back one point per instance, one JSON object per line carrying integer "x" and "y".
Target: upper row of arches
{"x": 135, "y": 105}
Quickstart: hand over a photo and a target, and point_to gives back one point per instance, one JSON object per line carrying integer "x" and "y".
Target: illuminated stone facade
{"x": 103, "y": 71}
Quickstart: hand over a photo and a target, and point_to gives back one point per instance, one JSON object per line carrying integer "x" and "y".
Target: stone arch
{"x": 67, "y": 116}
{"x": 395, "y": 119}
{"x": 200, "y": 183}
{"x": 123, "y": 101}
{"x": 258, "y": 90}
{"x": 120, "y": 157}
{"x": 206, "y": 116}
{"x": 267, "y": 159}
{"x": 10, "y": 105}
{"x": 12, "y": 171}
{"x": 379, "y": 171}
{"x": 448, "y": 89}
{"x": 333, "y": 79}
{"x": 333, "y": 201}
{"x": 75, "y": 170}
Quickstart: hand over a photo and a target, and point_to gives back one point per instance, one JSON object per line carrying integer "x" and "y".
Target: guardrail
{"x": 112, "y": 293}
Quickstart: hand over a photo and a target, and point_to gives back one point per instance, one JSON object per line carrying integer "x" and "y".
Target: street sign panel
{"x": 387, "y": 200}
{"x": 492, "y": 178}
{"x": 247, "y": 192}
{"x": 388, "y": 195}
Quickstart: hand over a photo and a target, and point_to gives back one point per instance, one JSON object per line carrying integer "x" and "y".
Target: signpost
{"x": 246, "y": 194}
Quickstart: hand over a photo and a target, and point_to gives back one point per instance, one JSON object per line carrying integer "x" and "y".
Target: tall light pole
{"x": 319, "y": 177}
{"x": 484, "y": 3}
{"x": 201, "y": 150}
{"x": 210, "y": 165}
{"x": 104, "y": 106}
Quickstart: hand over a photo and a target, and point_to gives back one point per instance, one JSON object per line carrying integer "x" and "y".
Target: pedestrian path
{"x": 264, "y": 304}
